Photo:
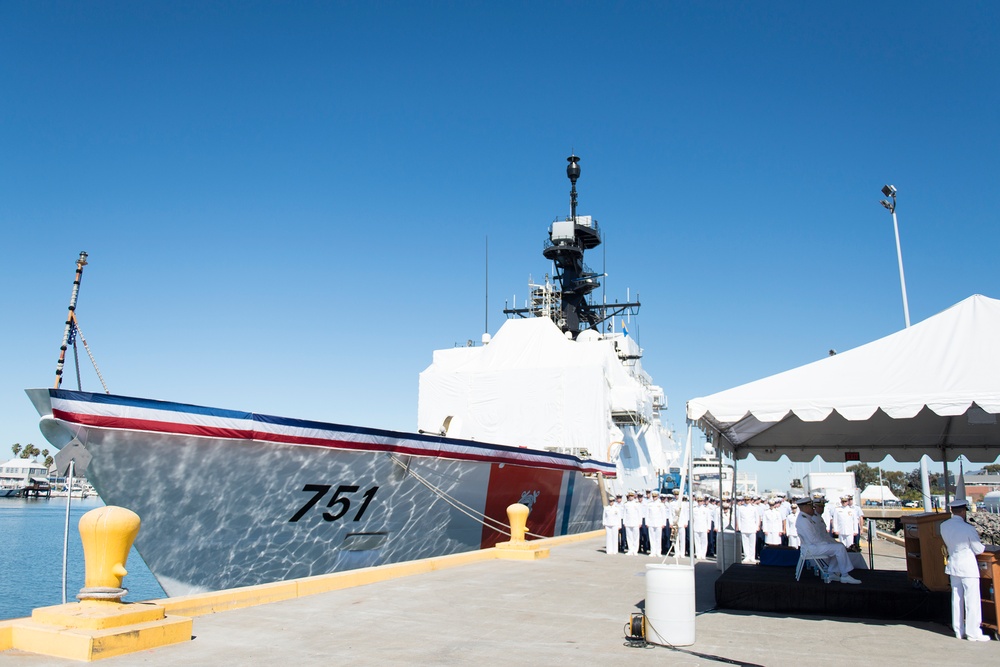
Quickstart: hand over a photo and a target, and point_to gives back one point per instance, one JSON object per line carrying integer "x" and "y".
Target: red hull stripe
{"x": 527, "y": 458}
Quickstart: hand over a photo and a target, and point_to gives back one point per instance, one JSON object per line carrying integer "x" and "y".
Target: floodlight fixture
{"x": 890, "y": 191}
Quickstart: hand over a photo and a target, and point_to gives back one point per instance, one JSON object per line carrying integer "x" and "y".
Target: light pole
{"x": 890, "y": 192}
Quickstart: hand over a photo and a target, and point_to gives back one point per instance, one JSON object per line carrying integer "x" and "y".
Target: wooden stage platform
{"x": 882, "y": 594}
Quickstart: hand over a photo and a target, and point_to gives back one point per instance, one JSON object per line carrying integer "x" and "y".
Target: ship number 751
{"x": 338, "y": 500}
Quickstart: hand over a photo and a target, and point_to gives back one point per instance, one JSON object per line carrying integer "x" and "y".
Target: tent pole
{"x": 944, "y": 460}
{"x": 685, "y": 482}
{"x": 720, "y": 542}
{"x": 690, "y": 526}
{"x": 732, "y": 500}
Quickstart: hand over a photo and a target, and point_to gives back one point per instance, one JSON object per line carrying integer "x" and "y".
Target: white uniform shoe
{"x": 848, "y": 579}
{"x": 981, "y": 638}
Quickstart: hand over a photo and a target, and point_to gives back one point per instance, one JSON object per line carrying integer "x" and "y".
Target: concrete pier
{"x": 569, "y": 608}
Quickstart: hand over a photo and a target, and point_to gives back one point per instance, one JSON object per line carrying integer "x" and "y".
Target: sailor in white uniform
{"x": 632, "y": 515}
{"x": 783, "y": 505}
{"x": 701, "y": 522}
{"x": 859, "y": 514}
{"x": 790, "y": 531}
{"x": 845, "y": 522}
{"x": 814, "y": 536}
{"x": 772, "y": 524}
{"x": 963, "y": 545}
{"x": 824, "y": 511}
{"x": 681, "y": 516}
{"x": 656, "y": 519}
{"x": 747, "y": 523}
{"x": 612, "y": 522}
{"x": 713, "y": 532}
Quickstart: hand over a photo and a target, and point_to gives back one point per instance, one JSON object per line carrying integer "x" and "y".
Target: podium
{"x": 989, "y": 579}
{"x": 925, "y": 550}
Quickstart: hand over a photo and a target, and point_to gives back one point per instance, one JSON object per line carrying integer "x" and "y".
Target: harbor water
{"x": 31, "y": 548}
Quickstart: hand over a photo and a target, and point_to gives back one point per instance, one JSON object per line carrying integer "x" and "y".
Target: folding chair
{"x": 818, "y": 563}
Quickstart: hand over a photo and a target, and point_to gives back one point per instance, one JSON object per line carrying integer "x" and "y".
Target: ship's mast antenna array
{"x": 568, "y": 241}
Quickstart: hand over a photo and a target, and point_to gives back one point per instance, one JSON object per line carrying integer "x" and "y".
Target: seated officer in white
{"x": 962, "y": 540}
{"x": 813, "y": 534}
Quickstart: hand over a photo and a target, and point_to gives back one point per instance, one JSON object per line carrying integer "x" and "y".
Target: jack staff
{"x": 71, "y": 317}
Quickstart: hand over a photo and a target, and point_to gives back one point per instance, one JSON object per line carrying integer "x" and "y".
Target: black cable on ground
{"x": 634, "y": 641}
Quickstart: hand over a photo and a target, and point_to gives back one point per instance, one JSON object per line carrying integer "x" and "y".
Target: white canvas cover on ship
{"x": 933, "y": 389}
{"x": 529, "y": 387}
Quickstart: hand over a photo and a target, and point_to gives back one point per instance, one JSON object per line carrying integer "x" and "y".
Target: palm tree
{"x": 16, "y": 448}
{"x": 29, "y": 451}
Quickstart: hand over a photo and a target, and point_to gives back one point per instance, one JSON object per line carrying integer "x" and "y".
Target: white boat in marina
{"x": 81, "y": 491}
{"x": 547, "y": 412}
{"x": 705, "y": 478}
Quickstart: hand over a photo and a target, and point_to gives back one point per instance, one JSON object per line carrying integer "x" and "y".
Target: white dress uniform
{"x": 771, "y": 525}
{"x": 656, "y": 519}
{"x": 859, "y": 517}
{"x": 632, "y": 514}
{"x": 747, "y": 524}
{"x": 682, "y": 515}
{"x": 701, "y": 521}
{"x": 612, "y": 523}
{"x": 790, "y": 530}
{"x": 845, "y": 524}
{"x": 828, "y": 517}
{"x": 813, "y": 534}
{"x": 964, "y": 545}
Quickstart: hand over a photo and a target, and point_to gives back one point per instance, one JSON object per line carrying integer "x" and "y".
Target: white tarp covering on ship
{"x": 533, "y": 387}
{"x": 932, "y": 389}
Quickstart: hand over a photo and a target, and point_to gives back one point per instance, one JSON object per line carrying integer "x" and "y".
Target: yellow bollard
{"x": 517, "y": 516}
{"x": 100, "y": 625}
{"x": 107, "y": 534}
{"x": 518, "y": 548}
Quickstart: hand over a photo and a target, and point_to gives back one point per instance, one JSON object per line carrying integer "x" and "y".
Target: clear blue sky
{"x": 286, "y": 204}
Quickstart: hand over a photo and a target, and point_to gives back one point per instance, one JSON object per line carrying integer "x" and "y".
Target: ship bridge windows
{"x": 626, "y": 417}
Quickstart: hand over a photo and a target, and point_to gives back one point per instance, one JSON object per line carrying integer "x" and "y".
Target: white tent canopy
{"x": 878, "y": 493}
{"x": 932, "y": 389}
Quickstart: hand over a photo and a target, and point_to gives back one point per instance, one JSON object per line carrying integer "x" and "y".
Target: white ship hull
{"x": 232, "y": 499}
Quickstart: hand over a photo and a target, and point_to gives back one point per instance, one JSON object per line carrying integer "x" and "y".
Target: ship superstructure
{"x": 556, "y": 377}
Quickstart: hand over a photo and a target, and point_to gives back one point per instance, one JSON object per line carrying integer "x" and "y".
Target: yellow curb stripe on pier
{"x": 250, "y": 596}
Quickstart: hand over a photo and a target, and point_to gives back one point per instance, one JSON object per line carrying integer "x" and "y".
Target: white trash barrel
{"x": 727, "y": 548}
{"x": 670, "y": 605}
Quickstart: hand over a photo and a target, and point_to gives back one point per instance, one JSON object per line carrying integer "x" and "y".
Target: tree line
{"x": 906, "y": 485}
{"x": 30, "y": 451}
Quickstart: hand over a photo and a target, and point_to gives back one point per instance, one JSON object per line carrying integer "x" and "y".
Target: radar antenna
{"x": 567, "y": 242}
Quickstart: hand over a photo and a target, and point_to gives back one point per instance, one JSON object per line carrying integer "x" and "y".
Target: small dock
{"x": 569, "y": 608}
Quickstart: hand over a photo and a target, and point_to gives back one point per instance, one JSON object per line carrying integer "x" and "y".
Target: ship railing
{"x": 629, "y": 417}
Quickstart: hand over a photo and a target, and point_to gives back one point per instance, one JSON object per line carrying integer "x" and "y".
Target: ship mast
{"x": 70, "y": 318}
{"x": 565, "y": 247}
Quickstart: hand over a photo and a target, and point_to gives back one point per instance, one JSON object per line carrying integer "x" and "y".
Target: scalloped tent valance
{"x": 932, "y": 389}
